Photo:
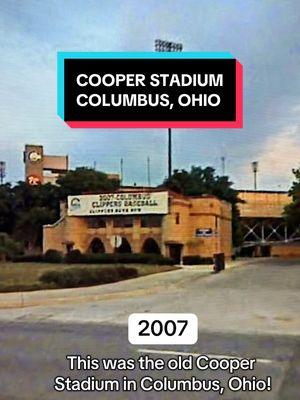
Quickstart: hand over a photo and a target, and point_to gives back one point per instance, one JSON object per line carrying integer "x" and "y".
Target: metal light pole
{"x": 255, "y": 169}
{"x": 163, "y": 45}
{"x": 122, "y": 172}
{"x": 223, "y": 165}
{"x": 148, "y": 172}
{"x": 2, "y": 171}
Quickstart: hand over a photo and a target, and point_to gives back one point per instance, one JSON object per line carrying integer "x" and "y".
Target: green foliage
{"x": 24, "y": 209}
{"x": 76, "y": 257}
{"x": 8, "y": 247}
{"x": 197, "y": 260}
{"x": 33, "y": 207}
{"x": 30, "y": 258}
{"x": 7, "y": 216}
{"x": 78, "y": 276}
{"x": 29, "y": 225}
{"x": 292, "y": 210}
{"x": 83, "y": 180}
{"x": 199, "y": 181}
{"x": 53, "y": 256}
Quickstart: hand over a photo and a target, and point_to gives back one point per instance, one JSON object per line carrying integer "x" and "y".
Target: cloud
{"x": 263, "y": 36}
{"x": 278, "y": 156}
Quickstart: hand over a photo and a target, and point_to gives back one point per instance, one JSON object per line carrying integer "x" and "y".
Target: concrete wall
{"x": 286, "y": 250}
{"x": 263, "y": 204}
{"x": 56, "y": 163}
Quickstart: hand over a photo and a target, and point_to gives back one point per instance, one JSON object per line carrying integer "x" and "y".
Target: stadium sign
{"x": 150, "y": 90}
{"x": 131, "y": 203}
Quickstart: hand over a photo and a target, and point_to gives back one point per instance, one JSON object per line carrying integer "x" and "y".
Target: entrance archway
{"x": 150, "y": 246}
{"x": 97, "y": 246}
{"x": 125, "y": 247}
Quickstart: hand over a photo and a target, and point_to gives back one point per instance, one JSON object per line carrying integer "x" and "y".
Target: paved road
{"x": 251, "y": 311}
{"x": 33, "y": 354}
{"x": 263, "y": 297}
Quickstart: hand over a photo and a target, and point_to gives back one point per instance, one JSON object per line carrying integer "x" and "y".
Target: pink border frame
{"x": 238, "y": 123}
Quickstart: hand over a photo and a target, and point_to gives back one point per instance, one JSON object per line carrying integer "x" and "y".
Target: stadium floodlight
{"x": 255, "y": 169}
{"x": 164, "y": 45}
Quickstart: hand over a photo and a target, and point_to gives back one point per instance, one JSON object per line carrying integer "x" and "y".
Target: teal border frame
{"x": 62, "y": 55}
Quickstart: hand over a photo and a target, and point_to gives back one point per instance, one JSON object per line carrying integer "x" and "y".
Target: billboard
{"x": 129, "y": 203}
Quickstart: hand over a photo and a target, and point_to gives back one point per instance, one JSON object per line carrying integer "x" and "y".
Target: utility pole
{"x": 223, "y": 165}
{"x": 148, "y": 171}
{"x": 163, "y": 45}
{"x": 121, "y": 168}
{"x": 2, "y": 171}
{"x": 255, "y": 170}
{"x": 169, "y": 153}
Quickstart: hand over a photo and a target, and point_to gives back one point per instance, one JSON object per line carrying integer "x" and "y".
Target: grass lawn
{"x": 25, "y": 276}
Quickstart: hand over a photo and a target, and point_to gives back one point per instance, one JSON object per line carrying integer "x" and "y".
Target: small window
{"x": 151, "y": 221}
{"x": 123, "y": 222}
{"x": 96, "y": 222}
{"x": 177, "y": 219}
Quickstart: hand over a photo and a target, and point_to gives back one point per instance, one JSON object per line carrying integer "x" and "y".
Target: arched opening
{"x": 150, "y": 246}
{"x": 125, "y": 247}
{"x": 96, "y": 246}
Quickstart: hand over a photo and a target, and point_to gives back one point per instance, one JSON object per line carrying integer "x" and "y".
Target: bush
{"x": 106, "y": 275}
{"x": 28, "y": 258}
{"x": 50, "y": 277}
{"x": 75, "y": 257}
{"x": 160, "y": 260}
{"x": 66, "y": 278}
{"x": 53, "y": 256}
{"x": 197, "y": 260}
{"x": 9, "y": 247}
{"x": 131, "y": 258}
{"x": 101, "y": 258}
{"x": 77, "y": 276}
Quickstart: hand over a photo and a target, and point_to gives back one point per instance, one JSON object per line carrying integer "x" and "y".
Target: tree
{"x": 8, "y": 247}
{"x": 292, "y": 210}
{"x": 29, "y": 225}
{"x": 84, "y": 180}
{"x": 6, "y": 208}
{"x": 33, "y": 206}
{"x": 24, "y": 209}
{"x": 199, "y": 181}
{"x": 26, "y": 197}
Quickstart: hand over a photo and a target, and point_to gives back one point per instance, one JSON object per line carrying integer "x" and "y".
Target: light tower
{"x": 164, "y": 45}
{"x": 255, "y": 170}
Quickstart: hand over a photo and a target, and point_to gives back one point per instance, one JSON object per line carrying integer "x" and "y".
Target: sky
{"x": 263, "y": 35}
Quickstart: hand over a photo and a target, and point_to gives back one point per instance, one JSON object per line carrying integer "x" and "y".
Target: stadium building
{"x": 142, "y": 220}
